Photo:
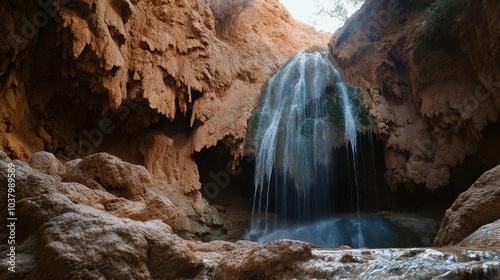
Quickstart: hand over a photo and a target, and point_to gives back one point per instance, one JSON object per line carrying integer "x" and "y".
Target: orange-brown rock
{"x": 431, "y": 78}
{"x": 149, "y": 81}
{"x": 271, "y": 261}
{"x": 478, "y": 206}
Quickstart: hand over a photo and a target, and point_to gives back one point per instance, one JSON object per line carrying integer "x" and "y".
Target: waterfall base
{"x": 356, "y": 231}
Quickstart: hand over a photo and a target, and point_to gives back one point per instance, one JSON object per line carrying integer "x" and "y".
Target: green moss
{"x": 307, "y": 128}
{"x": 316, "y": 48}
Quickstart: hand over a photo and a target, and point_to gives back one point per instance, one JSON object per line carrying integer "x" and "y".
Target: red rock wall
{"x": 148, "y": 81}
{"x": 431, "y": 77}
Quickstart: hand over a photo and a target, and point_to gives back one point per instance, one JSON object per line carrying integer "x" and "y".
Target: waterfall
{"x": 349, "y": 115}
{"x": 298, "y": 124}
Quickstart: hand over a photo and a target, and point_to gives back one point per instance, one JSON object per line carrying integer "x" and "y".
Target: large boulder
{"x": 487, "y": 236}
{"x": 270, "y": 261}
{"x": 46, "y": 163}
{"x": 478, "y": 206}
{"x": 106, "y": 172}
{"x": 28, "y": 181}
{"x": 58, "y": 239}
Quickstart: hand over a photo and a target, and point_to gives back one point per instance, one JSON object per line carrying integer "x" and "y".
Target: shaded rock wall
{"x": 431, "y": 79}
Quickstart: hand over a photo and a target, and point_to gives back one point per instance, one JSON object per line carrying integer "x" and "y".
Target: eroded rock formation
{"x": 429, "y": 70}
{"x": 151, "y": 82}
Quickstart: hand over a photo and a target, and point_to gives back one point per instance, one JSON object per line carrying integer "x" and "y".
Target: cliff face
{"x": 149, "y": 81}
{"x": 430, "y": 73}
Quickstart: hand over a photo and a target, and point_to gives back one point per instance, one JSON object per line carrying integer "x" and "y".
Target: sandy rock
{"x": 29, "y": 182}
{"x": 106, "y": 172}
{"x": 487, "y": 236}
{"x": 46, "y": 163}
{"x": 152, "y": 207}
{"x": 478, "y": 206}
{"x": 79, "y": 242}
{"x": 270, "y": 261}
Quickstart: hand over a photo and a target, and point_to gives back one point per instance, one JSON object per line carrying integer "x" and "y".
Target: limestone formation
{"x": 432, "y": 90}
{"x": 46, "y": 163}
{"x": 125, "y": 76}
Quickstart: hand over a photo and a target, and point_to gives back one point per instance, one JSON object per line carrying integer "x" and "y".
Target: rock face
{"x": 152, "y": 82}
{"x": 430, "y": 73}
{"x": 478, "y": 206}
{"x": 125, "y": 77}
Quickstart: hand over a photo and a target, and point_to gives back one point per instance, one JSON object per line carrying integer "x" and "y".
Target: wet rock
{"x": 274, "y": 260}
{"x": 478, "y": 206}
{"x": 449, "y": 263}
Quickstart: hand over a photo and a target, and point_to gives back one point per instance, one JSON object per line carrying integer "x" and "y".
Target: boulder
{"x": 487, "y": 236}
{"x": 478, "y": 206}
{"x": 65, "y": 240}
{"x": 106, "y": 172}
{"x": 270, "y": 261}
{"x": 47, "y": 164}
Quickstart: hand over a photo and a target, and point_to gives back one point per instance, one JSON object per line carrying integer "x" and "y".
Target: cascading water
{"x": 294, "y": 140}
{"x": 305, "y": 112}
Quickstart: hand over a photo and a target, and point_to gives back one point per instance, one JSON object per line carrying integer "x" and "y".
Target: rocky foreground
{"x": 102, "y": 221}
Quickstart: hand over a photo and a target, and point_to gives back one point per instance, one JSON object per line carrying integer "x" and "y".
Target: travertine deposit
{"x": 429, "y": 70}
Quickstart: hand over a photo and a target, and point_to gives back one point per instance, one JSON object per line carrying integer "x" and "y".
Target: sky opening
{"x": 304, "y": 10}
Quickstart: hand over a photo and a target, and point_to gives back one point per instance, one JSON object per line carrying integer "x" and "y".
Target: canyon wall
{"x": 152, "y": 82}
{"x": 430, "y": 76}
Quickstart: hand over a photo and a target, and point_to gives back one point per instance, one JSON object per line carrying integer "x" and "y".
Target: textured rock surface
{"x": 149, "y": 81}
{"x": 487, "y": 236}
{"x": 431, "y": 78}
{"x": 478, "y": 206}
{"x": 46, "y": 163}
{"x": 106, "y": 172}
{"x": 108, "y": 184}
{"x": 272, "y": 260}
{"x": 59, "y": 239}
